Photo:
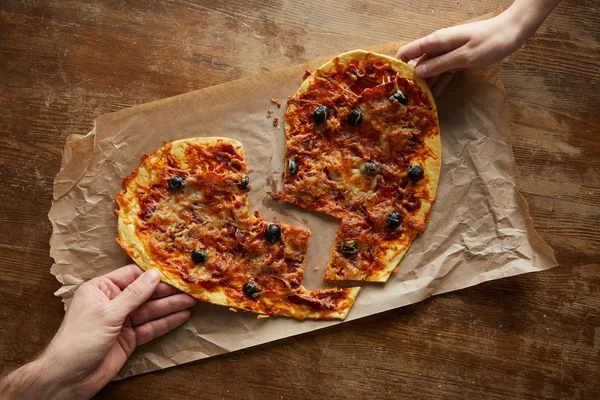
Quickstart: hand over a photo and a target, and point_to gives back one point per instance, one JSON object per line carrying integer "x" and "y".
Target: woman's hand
{"x": 478, "y": 44}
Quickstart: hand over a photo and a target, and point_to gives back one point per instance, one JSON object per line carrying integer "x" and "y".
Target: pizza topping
{"x": 349, "y": 247}
{"x": 276, "y": 101}
{"x": 176, "y": 183}
{"x": 415, "y": 172}
{"x": 293, "y": 166}
{"x": 199, "y": 256}
{"x": 393, "y": 220}
{"x": 400, "y": 97}
{"x": 412, "y": 203}
{"x": 320, "y": 114}
{"x": 272, "y": 233}
{"x": 244, "y": 182}
{"x": 355, "y": 117}
{"x": 370, "y": 168}
{"x": 251, "y": 289}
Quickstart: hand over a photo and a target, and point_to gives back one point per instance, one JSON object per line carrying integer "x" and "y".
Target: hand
{"x": 479, "y": 44}
{"x": 108, "y": 317}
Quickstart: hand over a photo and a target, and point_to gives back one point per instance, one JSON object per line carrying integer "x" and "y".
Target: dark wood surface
{"x": 536, "y": 336}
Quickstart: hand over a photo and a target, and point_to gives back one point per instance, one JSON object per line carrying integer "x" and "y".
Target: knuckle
{"x": 436, "y": 38}
{"x": 438, "y": 64}
{"x": 135, "y": 290}
{"x": 463, "y": 58}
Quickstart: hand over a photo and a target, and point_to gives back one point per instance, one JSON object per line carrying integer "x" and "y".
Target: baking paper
{"x": 479, "y": 227}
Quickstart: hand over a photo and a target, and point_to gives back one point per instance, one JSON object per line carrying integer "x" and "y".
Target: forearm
{"x": 530, "y": 14}
{"x": 34, "y": 380}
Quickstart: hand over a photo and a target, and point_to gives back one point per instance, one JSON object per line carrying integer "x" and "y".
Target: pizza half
{"x": 363, "y": 145}
{"x": 185, "y": 212}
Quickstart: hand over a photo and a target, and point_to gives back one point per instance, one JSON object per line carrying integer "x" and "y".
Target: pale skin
{"x": 113, "y": 314}
{"x": 108, "y": 318}
{"x": 441, "y": 54}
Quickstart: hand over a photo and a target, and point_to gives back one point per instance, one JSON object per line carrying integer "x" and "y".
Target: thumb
{"x": 135, "y": 294}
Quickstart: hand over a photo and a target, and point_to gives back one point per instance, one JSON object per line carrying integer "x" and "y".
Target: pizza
{"x": 185, "y": 212}
{"x": 363, "y": 145}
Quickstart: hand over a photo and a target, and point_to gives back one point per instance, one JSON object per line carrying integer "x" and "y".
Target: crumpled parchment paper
{"x": 479, "y": 228}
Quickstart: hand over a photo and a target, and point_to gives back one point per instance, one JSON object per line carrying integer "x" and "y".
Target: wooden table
{"x": 63, "y": 63}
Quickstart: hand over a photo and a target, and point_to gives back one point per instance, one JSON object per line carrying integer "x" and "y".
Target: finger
{"x": 135, "y": 294}
{"x": 440, "y": 64}
{"x": 124, "y": 275}
{"x": 164, "y": 290}
{"x": 441, "y": 84}
{"x": 153, "y": 329}
{"x": 417, "y": 61}
{"x": 439, "y": 42}
{"x": 159, "y": 308}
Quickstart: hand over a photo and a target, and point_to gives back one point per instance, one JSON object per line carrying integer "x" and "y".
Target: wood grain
{"x": 537, "y": 336}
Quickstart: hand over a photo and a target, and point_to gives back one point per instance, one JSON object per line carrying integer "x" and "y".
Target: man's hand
{"x": 108, "y": 317}
{"x": 479, "y": 44}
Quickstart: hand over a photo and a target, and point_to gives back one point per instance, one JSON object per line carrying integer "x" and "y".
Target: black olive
{"x": 273, "y": 233}
{"x": 176, "y": 183}
{"x": 349, "y": 247}
{"x": 244, "y": 183}
{"x": 400, "y": 97}
{"x": 371, "y": 168}
{"x": 251, "y": 289}
{"x": 415, "y": 172}
{"x": 393, "y": 220}
{"x": 355, "y": 117}
{"x": 293, "y": 166}
{"x": 321, "y": 113}
{"x": 199, "y": 256}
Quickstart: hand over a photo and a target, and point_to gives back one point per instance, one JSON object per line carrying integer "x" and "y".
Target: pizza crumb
{"x": 307, "y": 73}
{"x": 269, "y": 111}
{"x": 276, "y": 122}
{"x": 261, "y": 316}
{"x": 232, "y": 309}
{"x": 316, "y": 268}
{"x": 275, "y": 100}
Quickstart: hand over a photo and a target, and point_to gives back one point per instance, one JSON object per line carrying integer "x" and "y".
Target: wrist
{"x": 37, "y": 380}
{"x": 528, "y": 16}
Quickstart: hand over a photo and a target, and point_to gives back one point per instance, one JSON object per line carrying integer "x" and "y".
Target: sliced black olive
{"x": 393, "y": 220}
{"x": 176, "y": 183}
{"x": 415, "y": 172}
{"x": 349, "y": 247}
{"x": 371, "y": 168}
{"x": 273, "y": 233}
{"x": 244, "y": 183}
{"x": 321, "y": 113}
{"x": 199, "y": 256}
{"x": 251, "y": 289}
{"x": 293, "y": 166}
{"x": 355, "y": 117}
{"x": 400, "y": 97}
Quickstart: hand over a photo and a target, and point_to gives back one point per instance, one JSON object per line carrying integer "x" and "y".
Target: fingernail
{"x": 150, "y": 277}
{"x": 421, "y": 70}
